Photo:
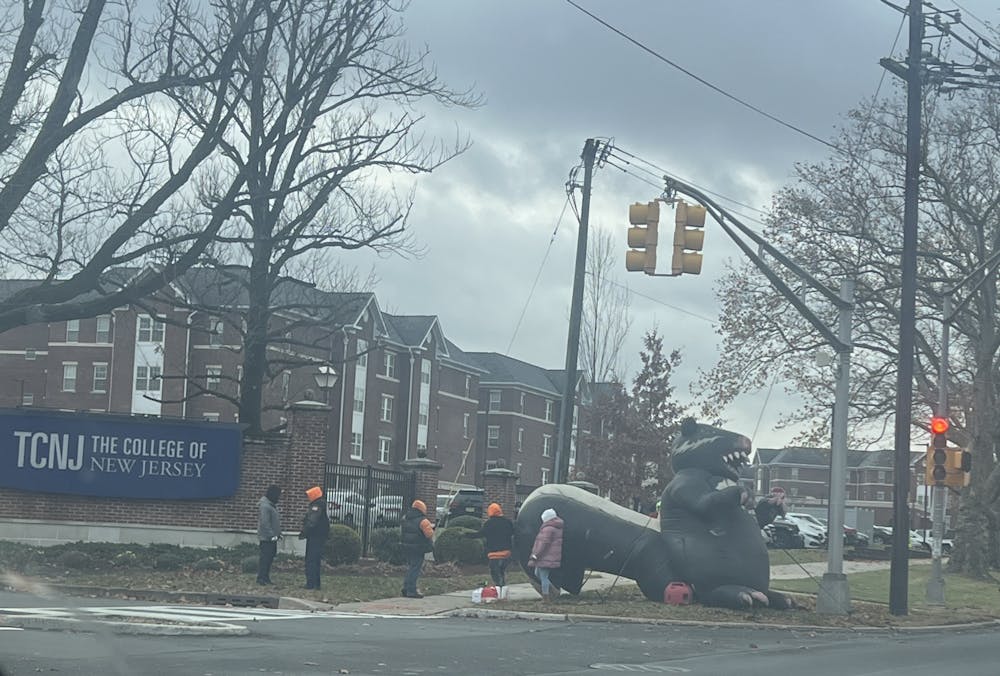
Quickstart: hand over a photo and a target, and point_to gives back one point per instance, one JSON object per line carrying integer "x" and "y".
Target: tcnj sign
{"x": 118, "y": 456}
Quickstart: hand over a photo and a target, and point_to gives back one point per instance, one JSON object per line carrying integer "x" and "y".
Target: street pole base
{"x": 834, "y": 596}
{"x": 935, "y": 588}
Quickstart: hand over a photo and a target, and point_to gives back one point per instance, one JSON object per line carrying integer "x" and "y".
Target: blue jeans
{"x": 415, "y": 561}
{"x": 543, "y": 576}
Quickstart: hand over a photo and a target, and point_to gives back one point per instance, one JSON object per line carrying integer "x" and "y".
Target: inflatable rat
{"x": 705, "y": 538}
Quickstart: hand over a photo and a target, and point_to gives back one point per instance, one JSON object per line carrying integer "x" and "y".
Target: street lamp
{"x": 326, "y": 378}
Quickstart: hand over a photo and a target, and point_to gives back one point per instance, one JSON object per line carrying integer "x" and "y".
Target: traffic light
{"x": 938, "y": 455}
{"x": 688, "y": 238}
{"x": 645, "y": 221}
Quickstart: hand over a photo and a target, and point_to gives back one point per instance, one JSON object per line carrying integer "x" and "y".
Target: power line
{"x": 658, "y": 301}
{"x": 703, "y": 81}
{"x": 964, "y": 10}
{"x": 541, "y": 267}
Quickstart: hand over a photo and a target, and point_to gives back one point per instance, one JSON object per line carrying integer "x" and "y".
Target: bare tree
{"x": 324, "y": 96}
{"x": 606, "y": 316}
{"x": 94, "y": 156}
{"x": 841, "y": 219}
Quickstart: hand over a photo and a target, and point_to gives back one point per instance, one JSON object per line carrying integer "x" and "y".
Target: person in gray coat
{"x": 268, "y": 532}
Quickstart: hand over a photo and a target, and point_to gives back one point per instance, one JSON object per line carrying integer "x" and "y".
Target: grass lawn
{"x": 781, "y": 557}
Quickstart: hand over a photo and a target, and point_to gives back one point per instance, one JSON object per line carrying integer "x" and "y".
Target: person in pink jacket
{"x": 546, "y": 554}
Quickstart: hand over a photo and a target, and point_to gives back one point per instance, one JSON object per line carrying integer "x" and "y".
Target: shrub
{"x": 75, "y": 560}
{"x": 453, "y": 544}
{"x": 465, "y": 521}
{"x": 168, "y": 561}
{"x": 208, "y": 563}
{"x": 386, "y": 546}
{"x": 343, "y": 546}
{"x": 249, "y": 564}
{"x": 126, "y": 559}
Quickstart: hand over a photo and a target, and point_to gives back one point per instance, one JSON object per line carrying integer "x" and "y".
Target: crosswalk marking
{"x": 185, "y": 614}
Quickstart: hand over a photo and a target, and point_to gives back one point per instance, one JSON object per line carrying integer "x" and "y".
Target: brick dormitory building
{"x": 404, "y": 389}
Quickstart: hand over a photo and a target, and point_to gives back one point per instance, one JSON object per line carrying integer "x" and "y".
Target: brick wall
{"x": 500, "y": 486}
{"x": 294, "y": 461}
{"x": 426, "y": 489}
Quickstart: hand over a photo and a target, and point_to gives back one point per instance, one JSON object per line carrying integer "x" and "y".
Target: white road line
{"x": 193, "y": 613}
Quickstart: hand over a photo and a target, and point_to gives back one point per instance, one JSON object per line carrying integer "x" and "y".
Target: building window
{"x": 73, "y": 331}
{"x": 880, "y": 495}
{"x": 468, "y": 386}
{"x": 104, "y": 329}
{"x": 215, "y": 334}
{"x": 794, "y": 472}
{"x": 881, "y": 477}
{"x": 286, "y": 379}
{"x": 359, "y": 399}
{"x": 795, "y": 490}
{"x": 210, "y": 417}
{"x": 549, "y": 408}
{"x": 27, "y": 399}
{"x": 493, "y": 436}
{"x": 522, "y": 402}
{"x": 213, "y": 376}
{"x": 494, "y": 400}
{"x": 390, "y": 364}
{"x": 239, "y": 381}
{"x": 384, "y": 450}
{"x": 100, "y": 377}
{"x": 29, "y": 354}
{"x": 356, "y": 445}
{"x": 465, "y": 425}
{"x": 150, "y": 330}
{"x": 386, "y": 413}
{"x": 362, "y": 351}
{"x": 147, "y": 378}
{"x": 425, "y": 372}
{"x": 547, "y": 445}
{"x": 69, "y": 376}
{"x": 517, "y": 468}
{"x": 545, "y": 475}
{"x": 520, "y": 438}
{"x": 423, "y": 415}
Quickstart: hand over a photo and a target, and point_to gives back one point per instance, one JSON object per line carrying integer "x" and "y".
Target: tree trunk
{"x": 256, "y": 340}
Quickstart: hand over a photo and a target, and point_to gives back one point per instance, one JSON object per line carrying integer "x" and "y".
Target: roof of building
{"x": 507, "y": 370}
{"x": 462, "y": 358}
{"x": 821, "y": 457}
{"x": 409, "y": 330}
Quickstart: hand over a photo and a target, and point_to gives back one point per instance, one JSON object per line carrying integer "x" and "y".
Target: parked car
{"x": 783, "y": 535}
{"x": 852, "y": 536}
{"x": 813, "y": 533}
{"x": 468, "y": 501}
{"x": 883, "y": 535}
{"x": 347, "y": 507}
{"x": 387, "y": 510}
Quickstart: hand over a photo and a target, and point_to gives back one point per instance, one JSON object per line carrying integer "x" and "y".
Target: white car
{"x": 348, "y": 507}
{"x": 813, "y": 533}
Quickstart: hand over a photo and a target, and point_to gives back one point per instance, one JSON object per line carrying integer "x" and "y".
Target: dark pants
{"x": 268, "y": 549}
{"x": 498, "y": 571}
{"x": 314, "y": 556}
{"x": 415, "y": 561}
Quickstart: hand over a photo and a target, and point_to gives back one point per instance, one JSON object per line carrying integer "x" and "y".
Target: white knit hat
{"x": 548, "y": 515}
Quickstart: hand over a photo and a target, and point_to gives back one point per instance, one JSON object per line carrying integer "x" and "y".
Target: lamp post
{"x": 326, "y": 378}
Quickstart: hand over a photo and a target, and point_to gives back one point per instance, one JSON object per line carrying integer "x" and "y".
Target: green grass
{"x": 960, "y": 592}
{"x": 781, "y": 557}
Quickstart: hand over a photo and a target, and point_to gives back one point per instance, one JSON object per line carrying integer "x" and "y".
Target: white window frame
{"x": 286, "y": 380}
{"x": 794, "y": 472}
{"x": 153, "y": 330}
{"x": 425, "y": 372}
{"x": 72, "y": 330}
{"x": 389, "y": 364}
{"x": 28, "y": 399}
{"x": 359, "y": 400}
{"x": 468, "y": 386}
{"x": 880, "y": 496}
{"x": 550, "y": 408}
{"x": 146, "y": 377}
{"x": 30, "y": 354}
{"x": 213, "y": 376}
{"x": 215, "y": 332}
{"x": 496, "y": 398}
{"x": 98, "y": 365}
{"x": 210, "y": 416}
{"x": 546, "y": 445}
{"x": 423, "y": 415}
{"x": 545, "y": 475}
{"x": 106, "y": 330}
{"x": 357, "y": 451}
{"x": 522, "y": 402}
{"x": 384, "y": 450}
{"x": 69, "y": 376}
{"x": 466, "y": 419}
{"x": 362, "y": 353}
{"x": 520, "y": 439}
{"x": 385, "y": 410}
{"x": 493, "y": 436}
{"x": 239, "y": 381}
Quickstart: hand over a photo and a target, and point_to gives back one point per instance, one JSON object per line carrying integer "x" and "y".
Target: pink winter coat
{"x": 547, "y": 552}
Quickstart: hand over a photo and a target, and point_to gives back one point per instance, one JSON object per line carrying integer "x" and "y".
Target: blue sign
{"x": 118, "y": 456}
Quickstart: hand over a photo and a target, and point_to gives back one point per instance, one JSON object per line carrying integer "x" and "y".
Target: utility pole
{"x": 565, "y": 433}
{"x": 899, "y": 573}
{"x": 935, "y": 584}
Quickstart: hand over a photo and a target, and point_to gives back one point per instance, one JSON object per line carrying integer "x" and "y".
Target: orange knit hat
{"x": 420, "y": 506}
{"x": 494, "y": 510}
{"x": 314, "y": 493}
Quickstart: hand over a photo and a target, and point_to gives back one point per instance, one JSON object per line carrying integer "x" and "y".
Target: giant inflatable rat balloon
{"x": 706, "y": 538}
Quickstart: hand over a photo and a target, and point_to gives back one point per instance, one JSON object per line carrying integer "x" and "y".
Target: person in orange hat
{"x": 315, "y": 528}
{"x": 498, "y": 532}
{"x": 417, "y": 537}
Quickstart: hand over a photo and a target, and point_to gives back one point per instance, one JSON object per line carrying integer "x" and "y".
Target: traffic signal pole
{"x": 565, "y": 434}
{"x": 935, "y": 584}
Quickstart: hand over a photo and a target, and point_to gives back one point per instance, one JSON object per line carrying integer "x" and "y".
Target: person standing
{"x": 546, "y": 554}
{"x": 268, "y": 532}
{"x": 315, "y": 528}
{"x": 498, "y": 532}
{"x": 417, "y": 537}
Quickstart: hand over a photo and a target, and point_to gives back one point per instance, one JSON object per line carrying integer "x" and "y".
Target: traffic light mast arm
{"x": 722, "y": 216}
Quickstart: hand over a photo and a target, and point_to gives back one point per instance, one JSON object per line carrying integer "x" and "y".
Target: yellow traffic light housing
{"x": 645, "y": 221}
{"x": 689, "y": 238}
{"x": 947, "y": 467}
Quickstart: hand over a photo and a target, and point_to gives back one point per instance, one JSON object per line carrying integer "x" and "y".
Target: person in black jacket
{"x": 498, "y": 532}
{"x": 417, "y": 537}
{"x": 315, "y": 528}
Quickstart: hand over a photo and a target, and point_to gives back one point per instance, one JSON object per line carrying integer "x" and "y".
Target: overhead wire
{"x": 703, "y": 81}
{"x": 965, "y": 11}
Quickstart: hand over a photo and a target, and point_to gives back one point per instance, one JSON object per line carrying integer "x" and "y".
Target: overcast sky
{"x": 551, "y": 77}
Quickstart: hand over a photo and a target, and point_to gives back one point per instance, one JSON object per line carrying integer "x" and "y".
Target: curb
{"x": 131, "y": 628}
{"x": 294, "y": 603}
{"x": 571, "y": 617}
{"x": 205, "y": 598}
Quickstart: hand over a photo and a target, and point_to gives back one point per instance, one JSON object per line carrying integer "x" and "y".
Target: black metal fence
{"x": 366, "y": 497}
